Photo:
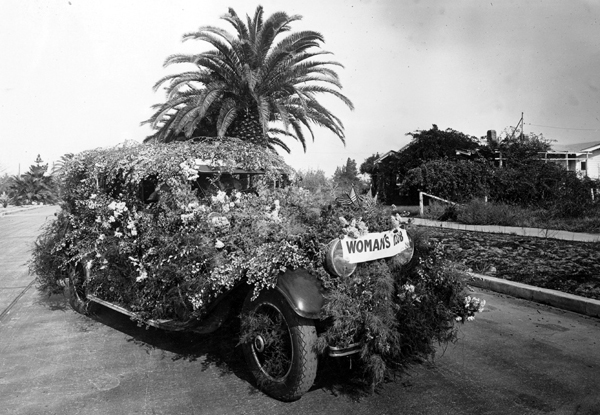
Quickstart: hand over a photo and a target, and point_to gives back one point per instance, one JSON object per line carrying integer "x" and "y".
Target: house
{"x": 581, "y": 158}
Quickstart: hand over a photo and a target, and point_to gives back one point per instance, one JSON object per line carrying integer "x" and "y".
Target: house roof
{"x": 577, "y": 147}
{"x": 386, "y": 155}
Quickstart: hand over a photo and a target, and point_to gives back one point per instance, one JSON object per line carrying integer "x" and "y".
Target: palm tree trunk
{"x": 247, "y": 127}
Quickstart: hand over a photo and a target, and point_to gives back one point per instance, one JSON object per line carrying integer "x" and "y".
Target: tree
{"x": 347, "y": 175}
{"x": 455, "y": 180}
{"x": 314, "y": 180}
{"x": 33, "y": 186}
{"x": 4, "y": 183}
{"x": 432, "y": 144}
{"x": 426, "y": 145}
{"x": 518, "y": 149}
{"x": 248, "y": 82}
{"x": 372, "y": 169}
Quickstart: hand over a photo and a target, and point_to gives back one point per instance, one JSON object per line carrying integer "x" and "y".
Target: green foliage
{"x": 5, "y": 181}
{"x": 426, "y": 145}
{"x": 4, "y": 199}
{"x": 518, "y": 148}
{"x": 346, "y": 176}
{"x": 478, "y": 212}
{"x": 432, "y": 144}
{"x": 249, "y": 81}
{"x": 171, "y": 258}
{"x": 368, "y": 166}
{"x": 455, "y": 180}
{"x": 34, "y": 186}
{"x": 50, "y": 261}
{"x": 314, "y": 180}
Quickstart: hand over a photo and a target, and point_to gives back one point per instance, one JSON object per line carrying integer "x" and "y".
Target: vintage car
{"x": 183, "y": 236}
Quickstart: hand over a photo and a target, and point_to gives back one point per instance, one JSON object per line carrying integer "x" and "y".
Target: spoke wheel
{"x": 281, "y": 351}
{"x": 76, "y": 291}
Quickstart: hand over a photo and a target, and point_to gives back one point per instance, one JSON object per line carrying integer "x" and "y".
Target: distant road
{"x": 517, "y": 357}
{"x": 17, "y": 234}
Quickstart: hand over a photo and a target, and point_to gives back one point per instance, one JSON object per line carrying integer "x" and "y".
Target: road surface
{"x": 517, "y": 357}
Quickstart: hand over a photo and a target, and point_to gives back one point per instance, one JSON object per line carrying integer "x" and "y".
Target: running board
{"x": 159, "y": 324}
{"x": 207, "y": 325}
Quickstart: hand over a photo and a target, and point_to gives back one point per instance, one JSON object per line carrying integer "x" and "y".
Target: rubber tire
{"x": 303, "y": 368}
{"x": 75, "y": 290}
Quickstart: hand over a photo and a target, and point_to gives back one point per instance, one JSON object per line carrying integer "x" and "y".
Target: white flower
{"x": 186, "y": 217}
{"x": 118, "y": 234}
{"x": 470, "y": 318}
{"x": 220, "y": 197}
{"x": 458, "y": 318}
{"x": 143, "y": 275}
{"x": 219, "y": 221}
{"x": 219, "y": 244}
{"x": 409, "y": 288}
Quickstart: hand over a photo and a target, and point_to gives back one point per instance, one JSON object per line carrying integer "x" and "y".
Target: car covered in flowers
{"x": 182, "y": 236}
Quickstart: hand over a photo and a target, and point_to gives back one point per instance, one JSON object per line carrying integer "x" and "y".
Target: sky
{"x": 77, "y": 75}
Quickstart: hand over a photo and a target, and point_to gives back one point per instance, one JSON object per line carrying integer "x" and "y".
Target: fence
{"x": 422, "y": 206}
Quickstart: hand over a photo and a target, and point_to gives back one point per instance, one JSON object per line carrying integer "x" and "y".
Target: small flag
{"x": 352, "y": 195}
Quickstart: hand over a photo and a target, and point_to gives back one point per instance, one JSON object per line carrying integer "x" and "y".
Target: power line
{"x": 564, "y": 128}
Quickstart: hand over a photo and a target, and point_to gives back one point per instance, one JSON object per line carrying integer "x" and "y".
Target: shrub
{"x": 4, "y": 199}
{"x": 478, "y": 212}
{"x": 455, "y": 180}
{"x": 171, "y": 258}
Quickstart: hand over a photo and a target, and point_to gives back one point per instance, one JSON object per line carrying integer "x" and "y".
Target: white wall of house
{"x": 580, "y": 158}
{"x": 593, "y": 165}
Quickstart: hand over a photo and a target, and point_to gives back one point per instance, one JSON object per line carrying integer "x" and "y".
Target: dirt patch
{"x": 571, "y": 267}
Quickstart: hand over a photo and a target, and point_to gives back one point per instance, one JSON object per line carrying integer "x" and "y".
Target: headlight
{"x": 406, "y": 255}
{"x": 335, "y": 263}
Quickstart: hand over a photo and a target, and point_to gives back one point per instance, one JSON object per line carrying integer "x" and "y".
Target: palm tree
{"x": 247, "y": 83}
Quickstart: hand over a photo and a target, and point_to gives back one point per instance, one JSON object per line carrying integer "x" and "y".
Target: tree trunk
{"x": 247, "y": 127}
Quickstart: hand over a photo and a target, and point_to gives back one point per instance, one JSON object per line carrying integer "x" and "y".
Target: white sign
{"x": 374, "y": 246}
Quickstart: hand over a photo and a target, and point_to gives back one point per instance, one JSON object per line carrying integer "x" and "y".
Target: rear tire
{"x": 281, "y": 352}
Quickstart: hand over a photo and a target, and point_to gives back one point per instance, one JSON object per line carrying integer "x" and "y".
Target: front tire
{"x": 280, "y": 350}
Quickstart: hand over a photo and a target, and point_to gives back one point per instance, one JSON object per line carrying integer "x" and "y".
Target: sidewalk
{"x": 513, "y": 230}
{"x": 15, "y": 209}
{"x": 582, "y": 305}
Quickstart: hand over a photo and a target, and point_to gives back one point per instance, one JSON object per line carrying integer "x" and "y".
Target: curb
{"x": 21, "y": 210}
{"x": 582, "y": 305}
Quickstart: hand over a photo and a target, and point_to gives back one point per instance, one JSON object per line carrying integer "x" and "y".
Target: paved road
{"x": 516, "y": 358}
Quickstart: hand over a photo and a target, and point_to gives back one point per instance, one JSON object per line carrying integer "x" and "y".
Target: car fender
{"x": 303, "y": 292}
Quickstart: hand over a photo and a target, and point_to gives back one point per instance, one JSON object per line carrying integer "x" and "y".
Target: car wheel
{"x": 76, "y": 291}
{"x": 280, "y": 351}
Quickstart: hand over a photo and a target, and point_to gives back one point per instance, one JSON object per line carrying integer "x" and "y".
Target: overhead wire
{"x": 564, "y": 128}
